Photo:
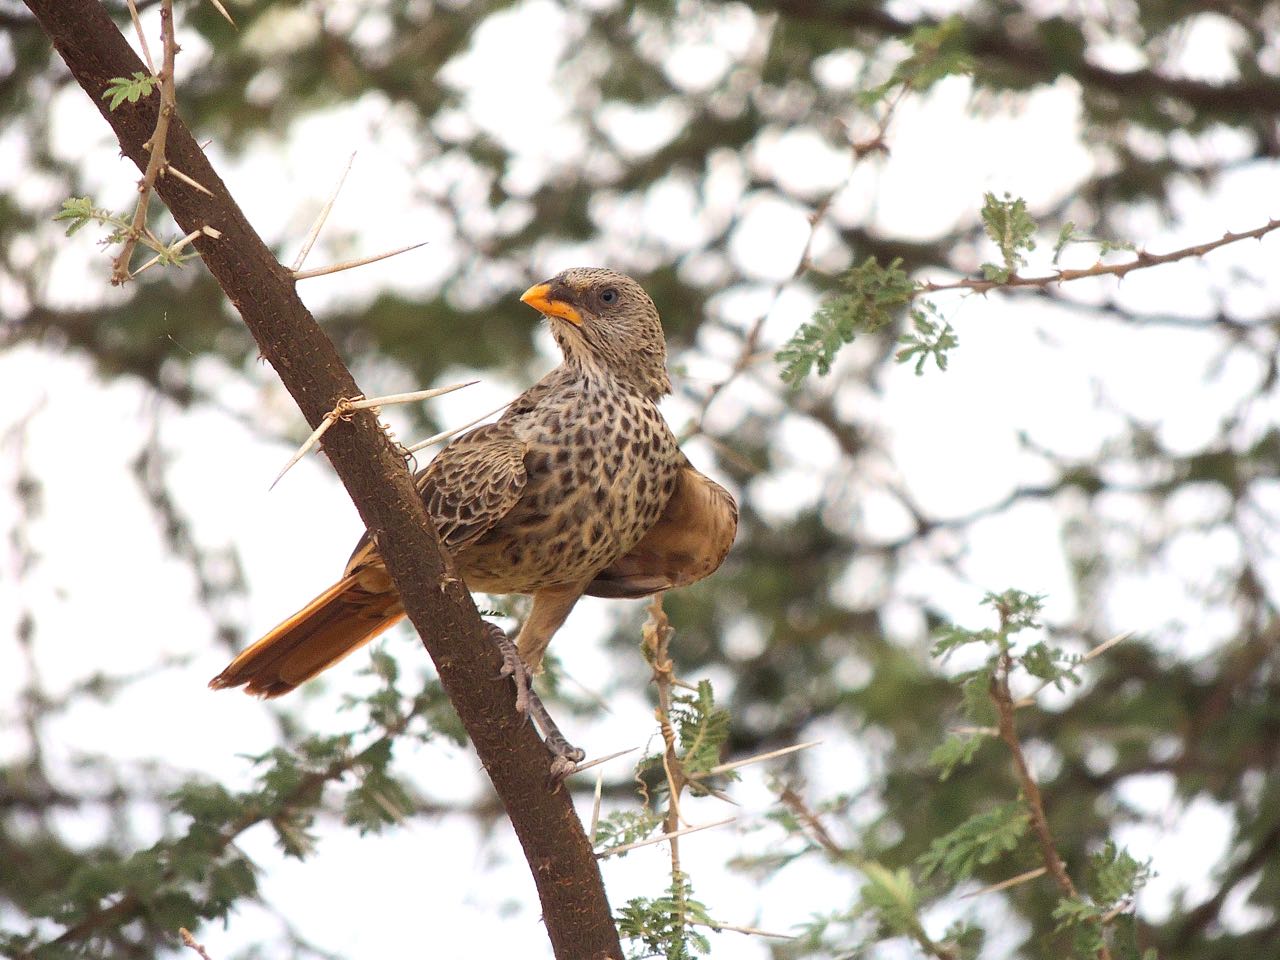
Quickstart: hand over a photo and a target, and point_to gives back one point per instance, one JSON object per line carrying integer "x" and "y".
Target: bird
{"x": 579, "y": 488}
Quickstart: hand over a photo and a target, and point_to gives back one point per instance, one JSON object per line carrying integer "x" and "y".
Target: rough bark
{"x": 575, "y": 909}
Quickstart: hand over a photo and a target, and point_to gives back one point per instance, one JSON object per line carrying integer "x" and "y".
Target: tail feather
{"x": 342, "y": 619}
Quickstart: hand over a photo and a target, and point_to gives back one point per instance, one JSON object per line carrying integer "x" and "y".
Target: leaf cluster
{"x": 664, "y": 926}
{"x": 131, "y": 88}
{"x": 873, "y": 297}
{"x": 1013, "y": 231}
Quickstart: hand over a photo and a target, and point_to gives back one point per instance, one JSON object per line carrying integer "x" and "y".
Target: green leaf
{"x": 80, "y": 211}
{"x": 1066, "y": 236}
{"x": 893, "y": 897}
{"x": 1115, "y": 876}
{"x": 664, "y": 926}
{"x": 624, "y": 827}
{"x": 955, "y": 751}
{"x": 874, "y": 296}
{"x": 1011, "y": 227}
{"x": 979, "y": 840}
{"x": 952, "y": 637}
{"x": 131, "y": 88}
{"x": 1017, "y": 610}
{"x": 702, "y": 728}
{"x": 1051, "y": 664}
{"x": 937, "y": 51}
{"x": 1083, "y": 921}
{"x": 927, "y": 338}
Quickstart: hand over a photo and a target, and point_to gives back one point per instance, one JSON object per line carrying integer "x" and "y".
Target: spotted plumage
{"x": 578, "y": 488}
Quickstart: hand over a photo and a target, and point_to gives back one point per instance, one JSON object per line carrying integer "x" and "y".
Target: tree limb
{"x": 574, "y": 905}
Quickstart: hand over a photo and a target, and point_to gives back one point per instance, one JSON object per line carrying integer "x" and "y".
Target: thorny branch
{"x": 131, "y": 906}
{"x": 1006, "y": 709}
{"x": 1141, "y": 261}
{"x": 155, "y": 145}
{"x": 818, "y": 832}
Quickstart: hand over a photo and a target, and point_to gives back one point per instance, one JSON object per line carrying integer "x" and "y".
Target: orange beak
{"x": 539, "y": 297}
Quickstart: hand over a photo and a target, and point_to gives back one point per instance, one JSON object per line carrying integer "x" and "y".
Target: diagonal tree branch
{"x": 574, "y": 905}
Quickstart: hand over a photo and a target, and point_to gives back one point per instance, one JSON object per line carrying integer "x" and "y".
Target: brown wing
{"x": 689, "y": 541}
{"x": 468, "y": 487}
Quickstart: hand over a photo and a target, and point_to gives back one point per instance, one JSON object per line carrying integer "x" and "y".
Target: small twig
{"x": 965, "y": 731}
{"x": 444, "y": 435}
{"x": 599, "y": 760}
{"x": 170, "y": 168}
{"x": 142, "y": 37}
{"x": 795, "y": 803}
{"x": 187, "y": 939}
{"x": 155, "y": 145}
{"x": 322, "y": 217}
{"x": 223, "y": 10}
{"x": 1011, "y": 882}
{"x": 669, "y": 835}
{"x": 352, "y": 264}
{"x": 1141, "y": 261}
{"x": 749, "y": 354}
{"x": 999, "y": 690}
{"x": 595, "y": 806}
{"x": 1099, "y": 650}
{"x": 758, "y": 758}
{"x": 753, "y": 931}
{"x": 345, "y": 407}
{"x": 1006, "y": 711}
{"x": 169, "y": 252}
{"x": 818, "y": 831}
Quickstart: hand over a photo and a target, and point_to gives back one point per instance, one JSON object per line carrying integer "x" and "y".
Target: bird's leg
{"x": 564, "y": 754}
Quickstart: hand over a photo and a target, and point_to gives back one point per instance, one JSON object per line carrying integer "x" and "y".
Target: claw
{"x": 565, "y": 757}
{"x": 513, "y": 667}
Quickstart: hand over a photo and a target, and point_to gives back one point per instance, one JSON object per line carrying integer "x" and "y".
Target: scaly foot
{"x": 564, "y": 755}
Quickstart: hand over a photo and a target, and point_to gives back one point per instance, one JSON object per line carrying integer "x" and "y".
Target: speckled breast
{"x": 601, "y": 467}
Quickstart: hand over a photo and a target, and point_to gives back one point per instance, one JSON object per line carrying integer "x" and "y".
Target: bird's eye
{"x": 609, "y": 295}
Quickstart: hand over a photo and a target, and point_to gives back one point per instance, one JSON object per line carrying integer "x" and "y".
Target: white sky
{"x": 110, "y": 597}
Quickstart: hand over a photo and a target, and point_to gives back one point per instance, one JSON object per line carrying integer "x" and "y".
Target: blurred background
{"x": 1111, "y": 445}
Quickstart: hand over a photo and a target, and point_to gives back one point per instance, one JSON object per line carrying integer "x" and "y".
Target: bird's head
{"x": 605, "y": 322}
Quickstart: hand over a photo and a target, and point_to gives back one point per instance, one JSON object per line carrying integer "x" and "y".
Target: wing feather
{"x": 470, "y": 485}
{"x": 689, "y": 542}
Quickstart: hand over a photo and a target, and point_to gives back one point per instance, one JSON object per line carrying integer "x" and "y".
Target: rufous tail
{"x": 340, "y": 620}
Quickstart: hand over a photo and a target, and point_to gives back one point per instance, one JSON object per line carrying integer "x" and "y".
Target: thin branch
{"x": 189, "y": 181}
{"x": 444, "y": 435}
{"x": 750, "y": 353}
{"x": 189, "y": 941}
{"x": 1141, "y": 261}
{"x": 1099, "y": 650}
{"x": 142, "y": 37}
{"x": 314, "y": 232}
{"x": 155, "y": 145}
{"x": 352, "y": 264}
{"x": 758, "y": 758}
{"x": 753, "y": 931}
{"x": 346, "y": 407}
{"x": 1011, "y": 882}
{"x": 1000, "y": 696}
{"x": 1006, "y": 711}
{"x": 669, "y": 835}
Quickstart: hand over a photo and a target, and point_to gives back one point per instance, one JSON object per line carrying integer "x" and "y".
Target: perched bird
{"x": 579, "y": 488}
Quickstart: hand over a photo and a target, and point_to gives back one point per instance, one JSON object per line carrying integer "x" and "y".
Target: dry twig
{"x": 155, "y": 145}
{"x": 189, "y": 941}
